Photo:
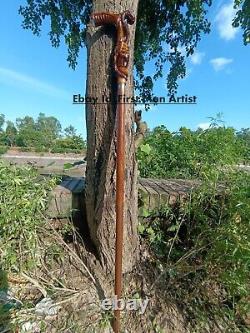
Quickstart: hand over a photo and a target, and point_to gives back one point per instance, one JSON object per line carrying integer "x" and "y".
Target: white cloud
{"x": 224, "y": 20}
{"x": 16, "y": 78}
{"x": 203, "y": 126}
{"x": 196, "y": 57}
{"x": 220, "y": 63}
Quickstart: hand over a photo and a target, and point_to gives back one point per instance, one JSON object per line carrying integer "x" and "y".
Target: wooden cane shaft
{"x": 120, "y": 181}
{"x": 121, "y": 67}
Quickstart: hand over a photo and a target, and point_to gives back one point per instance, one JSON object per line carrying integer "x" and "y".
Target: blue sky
{"x": 34, "y": 77}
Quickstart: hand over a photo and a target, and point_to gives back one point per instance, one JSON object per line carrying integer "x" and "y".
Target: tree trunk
{"x": 101, "y": 144}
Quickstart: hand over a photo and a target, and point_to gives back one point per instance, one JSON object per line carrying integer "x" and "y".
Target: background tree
{"x": 70, "y": 131}
{"x": 41, "y": 134}
{"x": 27, "y": 133}
{"x": 71, "y": 142}
{"x": 75, "y": 140}
{"x": 161, "y": 29}
{"x": 10, "y": 134}
{"x": 26, "y": 122}
{"x": 50, "y": 128}
{"x": 2, "y": 120}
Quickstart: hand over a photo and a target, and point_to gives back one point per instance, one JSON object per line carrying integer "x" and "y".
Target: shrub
{"x": 41, "y": 149}
{"x": 69, "y": 144}
{"x": 202, "y": 245}
{"x": 26, "y": 149}
{"x": 188, "y": 154}
{"x": 205, "y": 241}
{"x": 3, "y": 149}
{"x": 23, "y": 200}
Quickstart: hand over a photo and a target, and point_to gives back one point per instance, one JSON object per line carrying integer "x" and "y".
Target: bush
{"x": 26, "y": 149}
{"x": 244, "y": 136}
{"x": 203, "y": 246}
{"x": 69, "y": 144}
{"x": 3, "y": 149}
{"x": 41, "y": 149}
{"x": 23, "y": 200}
{"x": 188, "y": 154}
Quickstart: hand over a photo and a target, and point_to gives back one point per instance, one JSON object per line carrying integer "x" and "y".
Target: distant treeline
{"x": 44, "y": 134}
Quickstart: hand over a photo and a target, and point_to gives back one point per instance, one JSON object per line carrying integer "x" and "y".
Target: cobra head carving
{"x": 121, "y": 22}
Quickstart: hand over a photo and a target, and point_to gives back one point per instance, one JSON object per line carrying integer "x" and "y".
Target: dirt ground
{"x": 76, "y": 285}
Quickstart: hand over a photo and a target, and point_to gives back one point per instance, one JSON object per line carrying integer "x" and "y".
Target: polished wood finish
{"x": 121, "y": 22}
{"x": 120, "y": 181}
{"x": 121, "y": 63}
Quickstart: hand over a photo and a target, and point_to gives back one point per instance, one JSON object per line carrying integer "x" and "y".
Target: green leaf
{"x": 67, "y": 166}
{"x": 146, "y": 148}
{"x": 173, "y": 227}
{"x": 141, "y": 228}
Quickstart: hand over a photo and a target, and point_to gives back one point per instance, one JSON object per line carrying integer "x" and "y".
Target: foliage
{"x": 67, "y": 18}
{"x": 189, "y": 154}
{"x": 70, "y": 131}
{"x": 163, "y": 29}
{"x": 41, "y": 135}
{"x": 202, "y": 244}
{"x": 10, "y": 134}
{"x": 3, "y": 149}
{"x": 244, "y": 136}
{"x": 26, "y": 149}
{"x": 36, "y": 251}
{"x": 203, "y": 250}
{"x": 50, "y": 127}
{"x": 69, "y": 143}
{"x": 242, "y": 18}
{"x": 2, "y": 120}
{"x": 23, "y": 202}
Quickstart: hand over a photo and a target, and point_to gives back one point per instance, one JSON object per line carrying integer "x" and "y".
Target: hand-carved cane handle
{"x": 121, "y": 22}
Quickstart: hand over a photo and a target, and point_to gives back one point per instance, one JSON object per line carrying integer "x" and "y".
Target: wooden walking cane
{"x": 121, "y": 63}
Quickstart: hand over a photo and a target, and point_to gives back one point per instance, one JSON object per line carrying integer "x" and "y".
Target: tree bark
{"x": 101, "y": 142}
